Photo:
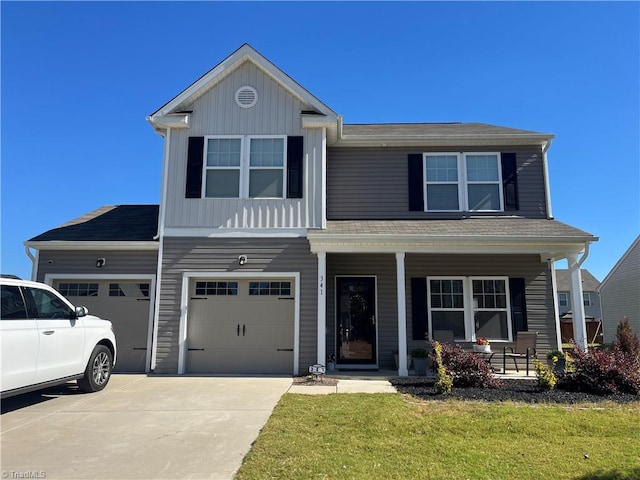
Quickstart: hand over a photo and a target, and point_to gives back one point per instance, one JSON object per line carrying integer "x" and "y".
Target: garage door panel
{"x": 231, "y": 331}
{"x": 126, "y": 303}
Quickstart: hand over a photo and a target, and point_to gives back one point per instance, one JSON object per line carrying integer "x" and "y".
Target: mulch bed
{"x": 311, "y": 380}
{"x": 513, "y": 390}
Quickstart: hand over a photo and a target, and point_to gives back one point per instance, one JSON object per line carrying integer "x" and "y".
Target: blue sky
{"x": 79, "y": 78}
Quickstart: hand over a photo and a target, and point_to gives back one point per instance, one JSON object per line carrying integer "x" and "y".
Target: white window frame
{"x": 566, "y": 299}
{"x": 492, "y": 182}
{"x": 206, "y": 168}
{"x": 245, "y": 165}
{"x": 469, "y": 308}
{"x": 507, "y": 309}
{"x": 586, "y": 299}
{"x": 462, "y": 183}
{"x": 465, "y": 303}
{"x": 249, "y": 167}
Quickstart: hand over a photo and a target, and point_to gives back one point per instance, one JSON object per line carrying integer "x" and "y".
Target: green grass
{"x": 387, "y": 436}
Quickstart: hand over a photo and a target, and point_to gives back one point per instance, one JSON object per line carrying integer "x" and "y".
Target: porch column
{"x": 322, "y": 309}
{"x": 403, "y": 371}
{"x": 577, "y": 305}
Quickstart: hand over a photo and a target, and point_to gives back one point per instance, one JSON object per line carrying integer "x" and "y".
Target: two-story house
{"x": 284, "y": 236}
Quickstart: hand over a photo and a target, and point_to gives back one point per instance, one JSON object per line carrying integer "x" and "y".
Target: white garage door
{"x": 241, "y": 326}
{"x": 126, "y": 304}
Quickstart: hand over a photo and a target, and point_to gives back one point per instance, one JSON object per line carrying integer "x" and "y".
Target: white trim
{"x": 323, "y": 179}
{"x": 232, "y": 62}
{"x": 235, "y": 232}
{"x": 463, "y": 141}
{"x": 187, "y": 277}
{"x": 468, "y": 308}
{"x": 321, "y": 356}
{"x": 545, "y": 171}
{"x": 244, "y": 168}
{"x": 89, "y": 245}
{"x": 463, "y": 181}
{"x": 577, "y": 306}
{"x": 556, "y": 302}
{"x": 49, "y": 278}
{"x": 367, "y": 366}
{"x": 403, "y": 368}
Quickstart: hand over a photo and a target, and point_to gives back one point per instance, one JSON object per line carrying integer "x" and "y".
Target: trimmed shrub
{"x": 468, "y": 369}
{"x": 603, "y": 372}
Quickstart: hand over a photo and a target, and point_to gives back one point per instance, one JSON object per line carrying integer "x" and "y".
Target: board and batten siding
{"x": 217, "y": 255}
{"x": 277, "y": 112}
{"x": 538, "y": 291}
{"x": 371, "y": 183}
{"x": 620, "y": 294}
{"x": 83, "y": 263}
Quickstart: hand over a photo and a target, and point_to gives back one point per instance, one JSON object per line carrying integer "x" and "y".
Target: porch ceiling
{"x": 507, "y": 235}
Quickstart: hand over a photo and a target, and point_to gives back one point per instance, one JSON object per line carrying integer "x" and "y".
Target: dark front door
{"x": 356, "y": 320}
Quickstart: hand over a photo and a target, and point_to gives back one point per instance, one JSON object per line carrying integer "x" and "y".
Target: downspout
{"x": 547, "y": 192}
{"x": 556, "y": 311}
{"x": 160, "y": 237}
{"x": 34, "y": 262}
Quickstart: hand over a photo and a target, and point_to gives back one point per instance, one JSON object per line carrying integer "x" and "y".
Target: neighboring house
{"x": 284, "y": 235}
{"x": 620, "y": 293}
{"x": 590, "y": 302}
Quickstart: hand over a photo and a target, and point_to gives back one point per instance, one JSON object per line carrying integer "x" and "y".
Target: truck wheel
{"x": 98, "y": 371}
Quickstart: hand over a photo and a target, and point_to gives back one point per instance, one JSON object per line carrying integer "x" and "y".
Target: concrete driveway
{"x": 139, "y": 427}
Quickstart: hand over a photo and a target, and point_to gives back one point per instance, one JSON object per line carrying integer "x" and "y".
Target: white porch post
{"x": 577, "y": 305}
{"x": 403, "y": 370}
{"x": 322, "y": 308}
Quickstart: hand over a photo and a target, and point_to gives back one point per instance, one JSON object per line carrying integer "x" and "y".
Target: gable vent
{"x": 246, "y": 97}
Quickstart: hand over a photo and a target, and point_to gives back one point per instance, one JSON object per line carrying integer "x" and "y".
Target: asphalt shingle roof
{"x": 490, "y": 227}
{"x": 117, "y": 223}
{"x": 433, "y": 130}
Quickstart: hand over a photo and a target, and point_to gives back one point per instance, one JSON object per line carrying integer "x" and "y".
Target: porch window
{"x": 472, "y": 307}
{"x": 490, "y": 308}
{"x": 447, "y": 306}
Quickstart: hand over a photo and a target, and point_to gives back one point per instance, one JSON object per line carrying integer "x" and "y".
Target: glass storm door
{"x": 356, "y": 320}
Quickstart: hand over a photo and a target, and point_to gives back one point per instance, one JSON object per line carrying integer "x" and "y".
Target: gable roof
{"x": 634, "y": 245}
{"x": 111, "y": 223}
{"x": 246, "y": 53}
{"x": 563, "y": 280}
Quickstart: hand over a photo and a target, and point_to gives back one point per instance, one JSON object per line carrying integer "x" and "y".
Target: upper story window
{"x": 245, "y": 167}
{"x": 462, "y": 182}
{"x": 586, "y": 299}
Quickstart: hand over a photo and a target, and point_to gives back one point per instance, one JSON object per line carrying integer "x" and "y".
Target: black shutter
{"x": 510, "y": 181}
{"x": 295, "y": 153}
{"x": 419, "y": 307}
{"x": 416, "y": 188}
{"x": 195, "y": 154}
{"x": 518, "y": 305}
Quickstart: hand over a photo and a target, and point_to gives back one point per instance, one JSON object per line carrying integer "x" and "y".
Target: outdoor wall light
{"x": 242, "y": 259}
{"x": 101, "y": 262}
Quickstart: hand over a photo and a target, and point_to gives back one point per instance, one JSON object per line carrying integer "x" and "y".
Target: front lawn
{"x": 393, "y": 436}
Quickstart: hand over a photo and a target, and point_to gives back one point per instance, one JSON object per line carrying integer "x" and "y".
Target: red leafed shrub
{"x": 603, "y": 372}
{"x": 627, "y": 340}
{"x": 468, "y": 369}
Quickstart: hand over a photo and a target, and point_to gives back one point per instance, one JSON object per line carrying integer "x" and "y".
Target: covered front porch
{"x": 386, "y": 286}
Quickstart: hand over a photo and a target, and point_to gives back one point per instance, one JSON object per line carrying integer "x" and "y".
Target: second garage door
{"x": 127, "y": 304}
{"x": 241, "y": 326}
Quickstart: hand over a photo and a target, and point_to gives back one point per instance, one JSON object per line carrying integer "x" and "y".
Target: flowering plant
{"x": 555, "y": 355}
{"x": 482, "y": 341}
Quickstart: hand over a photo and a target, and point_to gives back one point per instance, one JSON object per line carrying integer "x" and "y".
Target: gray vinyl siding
{"x": 84, "y": 262}
{"x": 620, "y": 294}
{"x": 593, "y": 310}
{"x": 538, "y": 291}
{"x": 371, "y": 183}
{"x": 221, "y": 255}
{"x": 216, "y": 113}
